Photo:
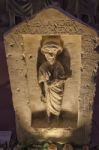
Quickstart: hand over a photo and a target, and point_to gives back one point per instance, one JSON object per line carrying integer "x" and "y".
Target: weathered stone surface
{"x": 73, "y": 44}
{"x": 22, "y": 44}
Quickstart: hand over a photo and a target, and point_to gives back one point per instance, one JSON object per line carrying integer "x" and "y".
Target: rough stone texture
{"x": 51, "y": 21}
{"x": 73, "y": 44}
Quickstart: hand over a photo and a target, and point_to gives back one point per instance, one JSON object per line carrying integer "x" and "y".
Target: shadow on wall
{"x": 7, "y": 114}
{"x": 72, "y": 6}
{"x": 66, "y": 119}
{"x": 95, "y": 122}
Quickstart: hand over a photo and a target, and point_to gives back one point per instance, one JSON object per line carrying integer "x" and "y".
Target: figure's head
{"x": 51, "y": 46}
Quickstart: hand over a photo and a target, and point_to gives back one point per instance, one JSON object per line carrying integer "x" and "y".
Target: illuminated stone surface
{"x": 22, "y": 44}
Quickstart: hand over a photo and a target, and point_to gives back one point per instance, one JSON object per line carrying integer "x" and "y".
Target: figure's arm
{"x": 42, "y": 88}
{"x": 41, "y": 80}
{"x": 60, "y": 72}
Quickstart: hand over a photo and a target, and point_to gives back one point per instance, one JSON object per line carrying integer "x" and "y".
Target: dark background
{"x": 86, "y": 10}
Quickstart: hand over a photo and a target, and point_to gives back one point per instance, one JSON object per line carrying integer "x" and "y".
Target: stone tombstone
{"x": 52, "y": 62}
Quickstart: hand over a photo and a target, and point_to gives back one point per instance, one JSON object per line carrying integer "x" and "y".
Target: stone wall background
{"x": 87, "y": 11}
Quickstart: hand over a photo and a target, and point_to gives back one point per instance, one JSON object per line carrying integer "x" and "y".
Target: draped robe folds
{"x": 53, "y": 77}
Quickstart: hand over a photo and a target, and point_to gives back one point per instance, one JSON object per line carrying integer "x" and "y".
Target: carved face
{"x": 51, "y": 57}
{"x": 51, "y": 50}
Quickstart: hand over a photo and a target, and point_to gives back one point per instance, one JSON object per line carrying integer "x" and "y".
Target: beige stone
{"x": 22, "y": 44}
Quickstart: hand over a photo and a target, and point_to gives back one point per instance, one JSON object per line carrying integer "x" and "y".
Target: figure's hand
{"x": 47, "y": 76}
{"x": 43, "y": 98}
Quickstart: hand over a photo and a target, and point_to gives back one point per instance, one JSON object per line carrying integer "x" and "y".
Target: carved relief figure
{"x": 51, "y": 75}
